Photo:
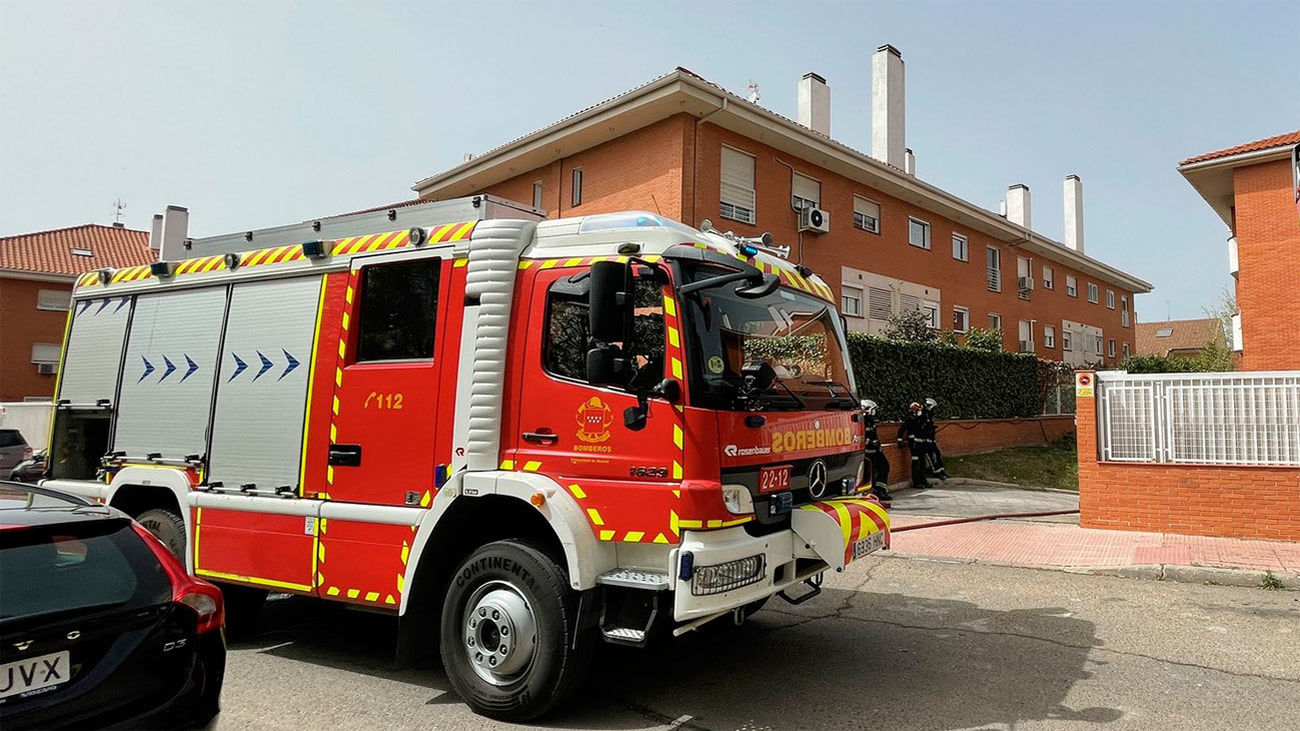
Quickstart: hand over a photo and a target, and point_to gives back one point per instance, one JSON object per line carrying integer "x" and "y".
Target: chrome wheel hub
{"x": 499, "y": 632}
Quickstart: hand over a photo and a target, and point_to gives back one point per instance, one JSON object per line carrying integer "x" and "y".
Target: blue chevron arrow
{"x": 148, "y": 368}
{"x": 266, "y": 365}
{"x": 171, "y": 368}
{"x": 102, "y": 305}
{"x": 190, "y": 370}
{"x": 240, "y": 365}
{"x": 120, "y": 304}
{"x": 293, "y": 363}
{"x": 85, "y": 305}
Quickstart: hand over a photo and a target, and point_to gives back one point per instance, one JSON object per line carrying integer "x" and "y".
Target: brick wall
{"x": 1268, "y": 250}
{"x": 972, "y": 436}
{"x": 21, "y": 325}
{"x": 1208, "y": 500}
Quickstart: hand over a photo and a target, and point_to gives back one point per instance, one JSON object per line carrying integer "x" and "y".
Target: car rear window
{"x": 11, "y": 438}
{"x": 85, "y": 565}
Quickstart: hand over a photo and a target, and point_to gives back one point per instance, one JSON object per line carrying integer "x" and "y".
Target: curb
{"x": 972, "y": 482}
{"x": 1218, "y": 576}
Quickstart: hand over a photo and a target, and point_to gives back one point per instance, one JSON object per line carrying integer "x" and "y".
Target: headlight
{"x": 723, "y": 577}
{"x": 737, "y": 499}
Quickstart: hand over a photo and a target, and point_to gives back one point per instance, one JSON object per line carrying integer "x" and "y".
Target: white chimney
{"x": 175, "y": 227}
{"x": 1074, "y": 213}
{"x": 909, "y": 161}
{"x": 815, "y": 104}
{"x": 155, "y": 233}
{"x": 887, "y": 123}
{"x": 1018, "y": 204}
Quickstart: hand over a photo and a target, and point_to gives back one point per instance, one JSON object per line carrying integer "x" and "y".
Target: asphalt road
{"x": 891, "y": 643}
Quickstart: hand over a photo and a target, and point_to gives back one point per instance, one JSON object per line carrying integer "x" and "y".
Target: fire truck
{"x": 522, "y": 437}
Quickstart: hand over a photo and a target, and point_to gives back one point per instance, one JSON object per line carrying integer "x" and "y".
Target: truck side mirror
{"x": 606, "y": 364}
{"x": 610, "y": 310}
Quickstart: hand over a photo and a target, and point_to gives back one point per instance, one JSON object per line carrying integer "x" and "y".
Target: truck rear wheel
{"x": 167, "y": 527}
{"x": 508, "y": 632}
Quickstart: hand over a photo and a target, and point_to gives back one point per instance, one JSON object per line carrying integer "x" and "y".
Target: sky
{"x": 260, "y": 114}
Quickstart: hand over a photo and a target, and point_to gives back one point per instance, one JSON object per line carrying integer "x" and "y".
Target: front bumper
{"x": 829, "y": 534}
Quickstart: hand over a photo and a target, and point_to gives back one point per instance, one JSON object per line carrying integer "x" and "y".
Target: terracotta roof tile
{"x": 1290, "y": 138}
{"x": 50, "y": 252}
{"x": 1181, "y": 335}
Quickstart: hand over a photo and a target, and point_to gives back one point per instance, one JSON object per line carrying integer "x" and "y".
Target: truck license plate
{"x": 774, "y": 479}
{"x": 870, "y": 544}
{"x": 33, "y": 674}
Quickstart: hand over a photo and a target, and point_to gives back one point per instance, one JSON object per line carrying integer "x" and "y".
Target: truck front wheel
{"x": 508, "y": 632}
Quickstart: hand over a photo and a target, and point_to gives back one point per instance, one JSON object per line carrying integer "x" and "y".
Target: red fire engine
{"x": 520, "y": 436}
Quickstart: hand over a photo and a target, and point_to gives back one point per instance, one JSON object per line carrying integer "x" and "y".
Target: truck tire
{"x": 512, "y": 599}
{"x": 167, "y": 527}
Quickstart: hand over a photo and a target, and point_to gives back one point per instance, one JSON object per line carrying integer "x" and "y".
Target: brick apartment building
{"x": 36, "y": 275}
{"x": 1253, "y": 189}
{"x": 688, "y": 149}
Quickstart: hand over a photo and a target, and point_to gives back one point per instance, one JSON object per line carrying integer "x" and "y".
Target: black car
{"x": 100, "y": 625}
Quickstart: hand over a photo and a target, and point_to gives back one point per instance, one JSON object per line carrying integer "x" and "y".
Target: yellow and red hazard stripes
{"x": 370, "y": 243}
{"x": 788, "y": 273}
{"x": 857, "y": 519}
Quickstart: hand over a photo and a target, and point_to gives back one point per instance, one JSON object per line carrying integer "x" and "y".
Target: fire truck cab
{"x": 520, "y": 436}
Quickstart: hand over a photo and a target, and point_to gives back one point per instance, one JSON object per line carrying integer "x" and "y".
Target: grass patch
{"x": 1270, "y": 582}
{"x": 1055, "y": 465}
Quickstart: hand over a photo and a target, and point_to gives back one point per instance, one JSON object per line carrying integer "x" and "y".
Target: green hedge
{"x": 967, "y": 383}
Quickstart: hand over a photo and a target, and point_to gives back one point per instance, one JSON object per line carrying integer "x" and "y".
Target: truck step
{"x": 624, "y": 635}
{"x": 634, "y": 579}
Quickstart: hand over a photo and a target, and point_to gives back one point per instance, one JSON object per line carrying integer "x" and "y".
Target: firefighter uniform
{"x": 930, "y": 432}
{"x": 875, "y": 455}
{"x": 912, "y": 433}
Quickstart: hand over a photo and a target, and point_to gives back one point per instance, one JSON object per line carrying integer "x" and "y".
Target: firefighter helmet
{"x": 869, "y": 406}
{"x": 914, "y": 407}
{"x": 930, "y": 404}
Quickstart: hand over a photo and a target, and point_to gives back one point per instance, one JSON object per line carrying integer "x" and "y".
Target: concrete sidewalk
{"x": 1066, "y": 546}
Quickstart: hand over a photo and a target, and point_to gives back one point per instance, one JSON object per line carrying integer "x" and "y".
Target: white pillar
{"x": 815, "y": 104}
{"x": 1074, "y": 213}
{"x": 887, "y": 106}
{"x": 1018, "y": 204}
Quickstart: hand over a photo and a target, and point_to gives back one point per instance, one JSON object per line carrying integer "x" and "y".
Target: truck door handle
{"x": 345, "y": 455}
{"x": 544, "y": 438}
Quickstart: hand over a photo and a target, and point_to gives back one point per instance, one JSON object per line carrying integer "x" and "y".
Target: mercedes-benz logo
{"x": 817, "y": 479}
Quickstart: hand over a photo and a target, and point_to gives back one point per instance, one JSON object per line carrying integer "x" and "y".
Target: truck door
{"x": 386, "y": 419}
{"x": 574, "y": 431}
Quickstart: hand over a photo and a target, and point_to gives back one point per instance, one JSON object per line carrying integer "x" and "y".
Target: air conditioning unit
{"x": 1026, "y": 346}
{"x": 814, "y": 219}
{"x": 1026, "y": 283}
{"x": 47, "y": 369}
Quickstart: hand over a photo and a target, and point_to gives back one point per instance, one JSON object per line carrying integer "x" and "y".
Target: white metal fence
{"x": 1202, "y": 418}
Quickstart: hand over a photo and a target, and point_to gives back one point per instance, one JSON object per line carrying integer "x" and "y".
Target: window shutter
{"x": 737, "y": 194}
{"x": 908, "y": 303}
{"x": 866, "y": 208}
{"x": 807, "y": 188}
{"x": 881, "y": 304}
{"x": 45, "y": 353}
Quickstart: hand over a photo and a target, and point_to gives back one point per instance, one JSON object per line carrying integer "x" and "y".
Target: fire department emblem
{"x": 594, "y": 419}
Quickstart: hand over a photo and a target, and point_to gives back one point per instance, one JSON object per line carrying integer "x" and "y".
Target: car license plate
{"x": 25, "y": 677}
{"x": 774, "y": 479}
{"x": 870, "y": 544}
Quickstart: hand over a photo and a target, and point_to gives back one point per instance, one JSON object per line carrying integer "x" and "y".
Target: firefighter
{"x": 931, "y": 432}
{"x": 912, "y": 433}
{"x": 875, "y": 456}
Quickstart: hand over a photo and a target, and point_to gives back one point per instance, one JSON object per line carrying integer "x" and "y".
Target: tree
{"x": 911, "y": 326}
{"x": 1224, "y": 310}
{"x": 987, "y": 339}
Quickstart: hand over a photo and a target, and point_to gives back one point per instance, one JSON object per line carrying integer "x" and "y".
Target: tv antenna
{"x": 118, "y": 207}
{"x": 753, "y": 92}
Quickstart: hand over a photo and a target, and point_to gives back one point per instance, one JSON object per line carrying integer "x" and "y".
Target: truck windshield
{"x": 732, "y": 338}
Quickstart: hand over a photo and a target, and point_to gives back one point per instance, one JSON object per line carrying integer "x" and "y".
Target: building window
{"x": 537, "y": 194}
{"x": 851, "y": 300}
{"x": 866, "y": 215}
{"x": 399, "y": 308}
{"x": 1071, "y": 285}
{"x": 1111, "y": 347}
{"x": 1092, "y": 293}
{"x": 45, "y": 353}
{"x": 737, "y": 195}
{"x": 1098, "y": 342}
{"x": 1066, "y": 338}
{"x": 1048, "y": 281}
{"x": 918, "y": 233}
{"x": 995, "y": 321}
{"x": 1123, "y": 310}
{"x": 880, "y": 303}
{"x": 1110, "y": 299}
{"x": 960, "y": 248}
{"x": 53, "y": 299}
{"x": 576, "y": 199}
{"x": 960, "y": 319}
{"x": 993, "y": 265}
{"x": 1026, "y": 336}
{"x": 931, "y": 310}
{"x": 1125, "y": 350}
{"x": 807, "y": 191}
{"x": 1049, "y": 336}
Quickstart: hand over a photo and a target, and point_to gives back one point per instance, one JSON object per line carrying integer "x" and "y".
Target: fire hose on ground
{"x": 977, "y": 518}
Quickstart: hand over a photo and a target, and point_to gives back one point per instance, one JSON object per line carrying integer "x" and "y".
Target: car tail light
{"x": 199, "y": 596}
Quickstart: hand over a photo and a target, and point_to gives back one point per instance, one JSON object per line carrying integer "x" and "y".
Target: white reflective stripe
{"x": 385, "y": 514}
{"x": 255, "y": 504}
